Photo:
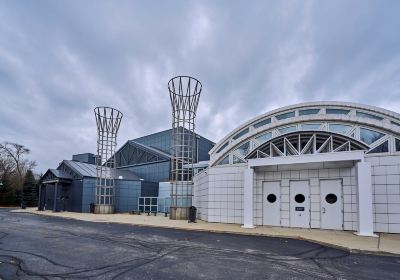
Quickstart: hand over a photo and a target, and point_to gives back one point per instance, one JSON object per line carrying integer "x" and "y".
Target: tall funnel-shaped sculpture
{"x": 108, "y": 121}
{"x": 184, "y": 92}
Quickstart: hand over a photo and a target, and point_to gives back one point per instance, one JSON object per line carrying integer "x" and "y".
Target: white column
{"x": 364, "y": 195}
{"x": 248, "y": 199}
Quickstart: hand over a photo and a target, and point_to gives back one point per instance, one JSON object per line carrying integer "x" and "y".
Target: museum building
{"x": 143, "y": 168}
{"x": 325, "y": 165}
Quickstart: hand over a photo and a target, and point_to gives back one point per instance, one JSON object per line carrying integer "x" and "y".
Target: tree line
{"x": 17, "y": 181}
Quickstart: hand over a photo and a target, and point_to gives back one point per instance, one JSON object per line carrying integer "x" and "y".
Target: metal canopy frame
{"x": 302, "y": 143}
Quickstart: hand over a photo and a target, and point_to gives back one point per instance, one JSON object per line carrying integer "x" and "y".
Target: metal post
{"x": 108, "y": 121}
{"x": 184, "y": 93}
{"x": 55, "y": 197}
{"x": 40, "y": 208}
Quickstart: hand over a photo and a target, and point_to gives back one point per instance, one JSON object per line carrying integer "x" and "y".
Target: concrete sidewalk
{"x": 384, "y": 244}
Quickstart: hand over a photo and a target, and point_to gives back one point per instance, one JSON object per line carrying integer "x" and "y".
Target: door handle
{"x": 323, "y": 210}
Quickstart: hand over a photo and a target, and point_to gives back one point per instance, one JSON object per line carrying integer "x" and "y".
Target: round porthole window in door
{"x": 331, "y": 198}
{"x": 299, "y": 198}
{"x": 271, "y": 198}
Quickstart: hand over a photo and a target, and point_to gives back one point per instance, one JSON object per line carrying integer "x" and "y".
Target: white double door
{"x": 331, "y": 204}
{"x": 299, "y": 204}
{"x": 272, "y": 203}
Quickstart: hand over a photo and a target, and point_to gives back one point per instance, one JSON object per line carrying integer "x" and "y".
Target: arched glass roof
{"x": 377, "y": 128}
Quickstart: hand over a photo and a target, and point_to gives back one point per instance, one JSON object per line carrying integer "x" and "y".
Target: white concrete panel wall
{"x": 386, "y": 192}
{"x": 200, "y": 194}
{"x": 225, "y": 198}
{"x": 348, "y": 176}
{"x": 219, "y": 194}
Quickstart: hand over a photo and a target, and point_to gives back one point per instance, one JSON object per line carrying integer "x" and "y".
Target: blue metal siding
{"x": 73, "y": 196}
{"x": 163, "y": 141}
{"x": 88, "y": 193}
{"x": 154, "y": 172}
{"x": 160, "y": 140}
{"x": 126, "y": 195}
{"x": 204, "y": 146}
{"x": 149, "y": 189}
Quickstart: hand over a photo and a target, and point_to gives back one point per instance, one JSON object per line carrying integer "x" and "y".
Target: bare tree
{"x": 13, "y": 162}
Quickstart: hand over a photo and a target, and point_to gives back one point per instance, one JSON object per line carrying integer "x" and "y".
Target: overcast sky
{"x": 60, "y": 59}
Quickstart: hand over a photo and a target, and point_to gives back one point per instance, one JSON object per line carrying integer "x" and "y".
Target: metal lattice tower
{"x": 108, "y": 121}
{"x": 184, "y": 93}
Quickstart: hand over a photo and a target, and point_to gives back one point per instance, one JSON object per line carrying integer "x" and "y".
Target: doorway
{"x": 331, "y": 204}
{"x": 272, "y": 203}
{"x": 299, "y": 204}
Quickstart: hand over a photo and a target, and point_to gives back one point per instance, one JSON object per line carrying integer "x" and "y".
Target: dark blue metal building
{"x": 150, "y": 156}
{"x": 141, "y": 164}
{"x": 71, "y": 187}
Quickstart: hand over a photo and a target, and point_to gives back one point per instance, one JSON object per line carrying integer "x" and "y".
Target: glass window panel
{"x": 310, "y": 126}
{"x": 262, "y": 123}
{"x": 225, "y": 160}
{"x": 243, "y": 149}
{"x": 337, "y": 111}
{"x": 264, "y": 138}
{"x": 223, "y": 147}
{"x": 287, "y": 129}
{"x": 237, "y": 160}
{"x": 241, "y": 133}
{"x": 366, "y": 115}
{"x": 306, "y": 112}
{"x": 285, "y": 116}
{"x": 382, "y": 148}
{"x": 339, "y": 128}
{"x": 397, "y": 144}
{"x": 370, "y": 136}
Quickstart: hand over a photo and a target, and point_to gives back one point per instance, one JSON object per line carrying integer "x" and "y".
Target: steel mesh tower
{"x": 184, "y": 93}
{"x": 108, "y": 121}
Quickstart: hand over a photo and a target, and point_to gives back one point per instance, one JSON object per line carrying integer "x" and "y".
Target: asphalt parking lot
{"x": 38, "y": 247}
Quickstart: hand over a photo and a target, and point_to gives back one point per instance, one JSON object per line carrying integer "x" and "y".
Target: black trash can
{"x": 92, "y": 208}
{"x": 23, "y": 205}
{"x": 192, "y": 214}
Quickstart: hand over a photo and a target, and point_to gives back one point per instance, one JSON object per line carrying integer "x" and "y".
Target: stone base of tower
{"x": 103, "y": 209}
{"x": 179, "y": 213}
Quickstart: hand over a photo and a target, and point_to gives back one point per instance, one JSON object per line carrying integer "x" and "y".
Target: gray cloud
{"x": 58, "y": 60}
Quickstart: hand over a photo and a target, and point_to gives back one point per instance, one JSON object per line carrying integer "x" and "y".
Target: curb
{"x": 330, "y": 245}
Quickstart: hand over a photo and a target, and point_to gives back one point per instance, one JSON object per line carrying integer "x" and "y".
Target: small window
{"x": 271, "y": 198}
{"x": 263, "y": 138}
{"x": 382, "y": 148}
{"x": 285, "y": 116}
{"x": 310, "y": 126}
{"x": 366, "y": 115}
{"x": 370, "y": 136}
{"x": 237, "y": 160}
{"x": 331, "y": 198}
{"x": 306, "y": 112}
{"x": 397, "y": 144}
{"x": 339, "y": 128}
{"x": 299, "y": 198}
{"x": 243, "y": 149}
{"x": 287, "y": 129}
{"x": 241, "y": 133}
{"x": 224, "y": 161}
{"x": 332, "y": 111}
{"x": 262, "y": 123}
{"x": 223, "y": 147}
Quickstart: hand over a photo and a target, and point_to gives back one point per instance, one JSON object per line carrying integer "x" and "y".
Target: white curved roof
{"x": 367, "y": 116}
